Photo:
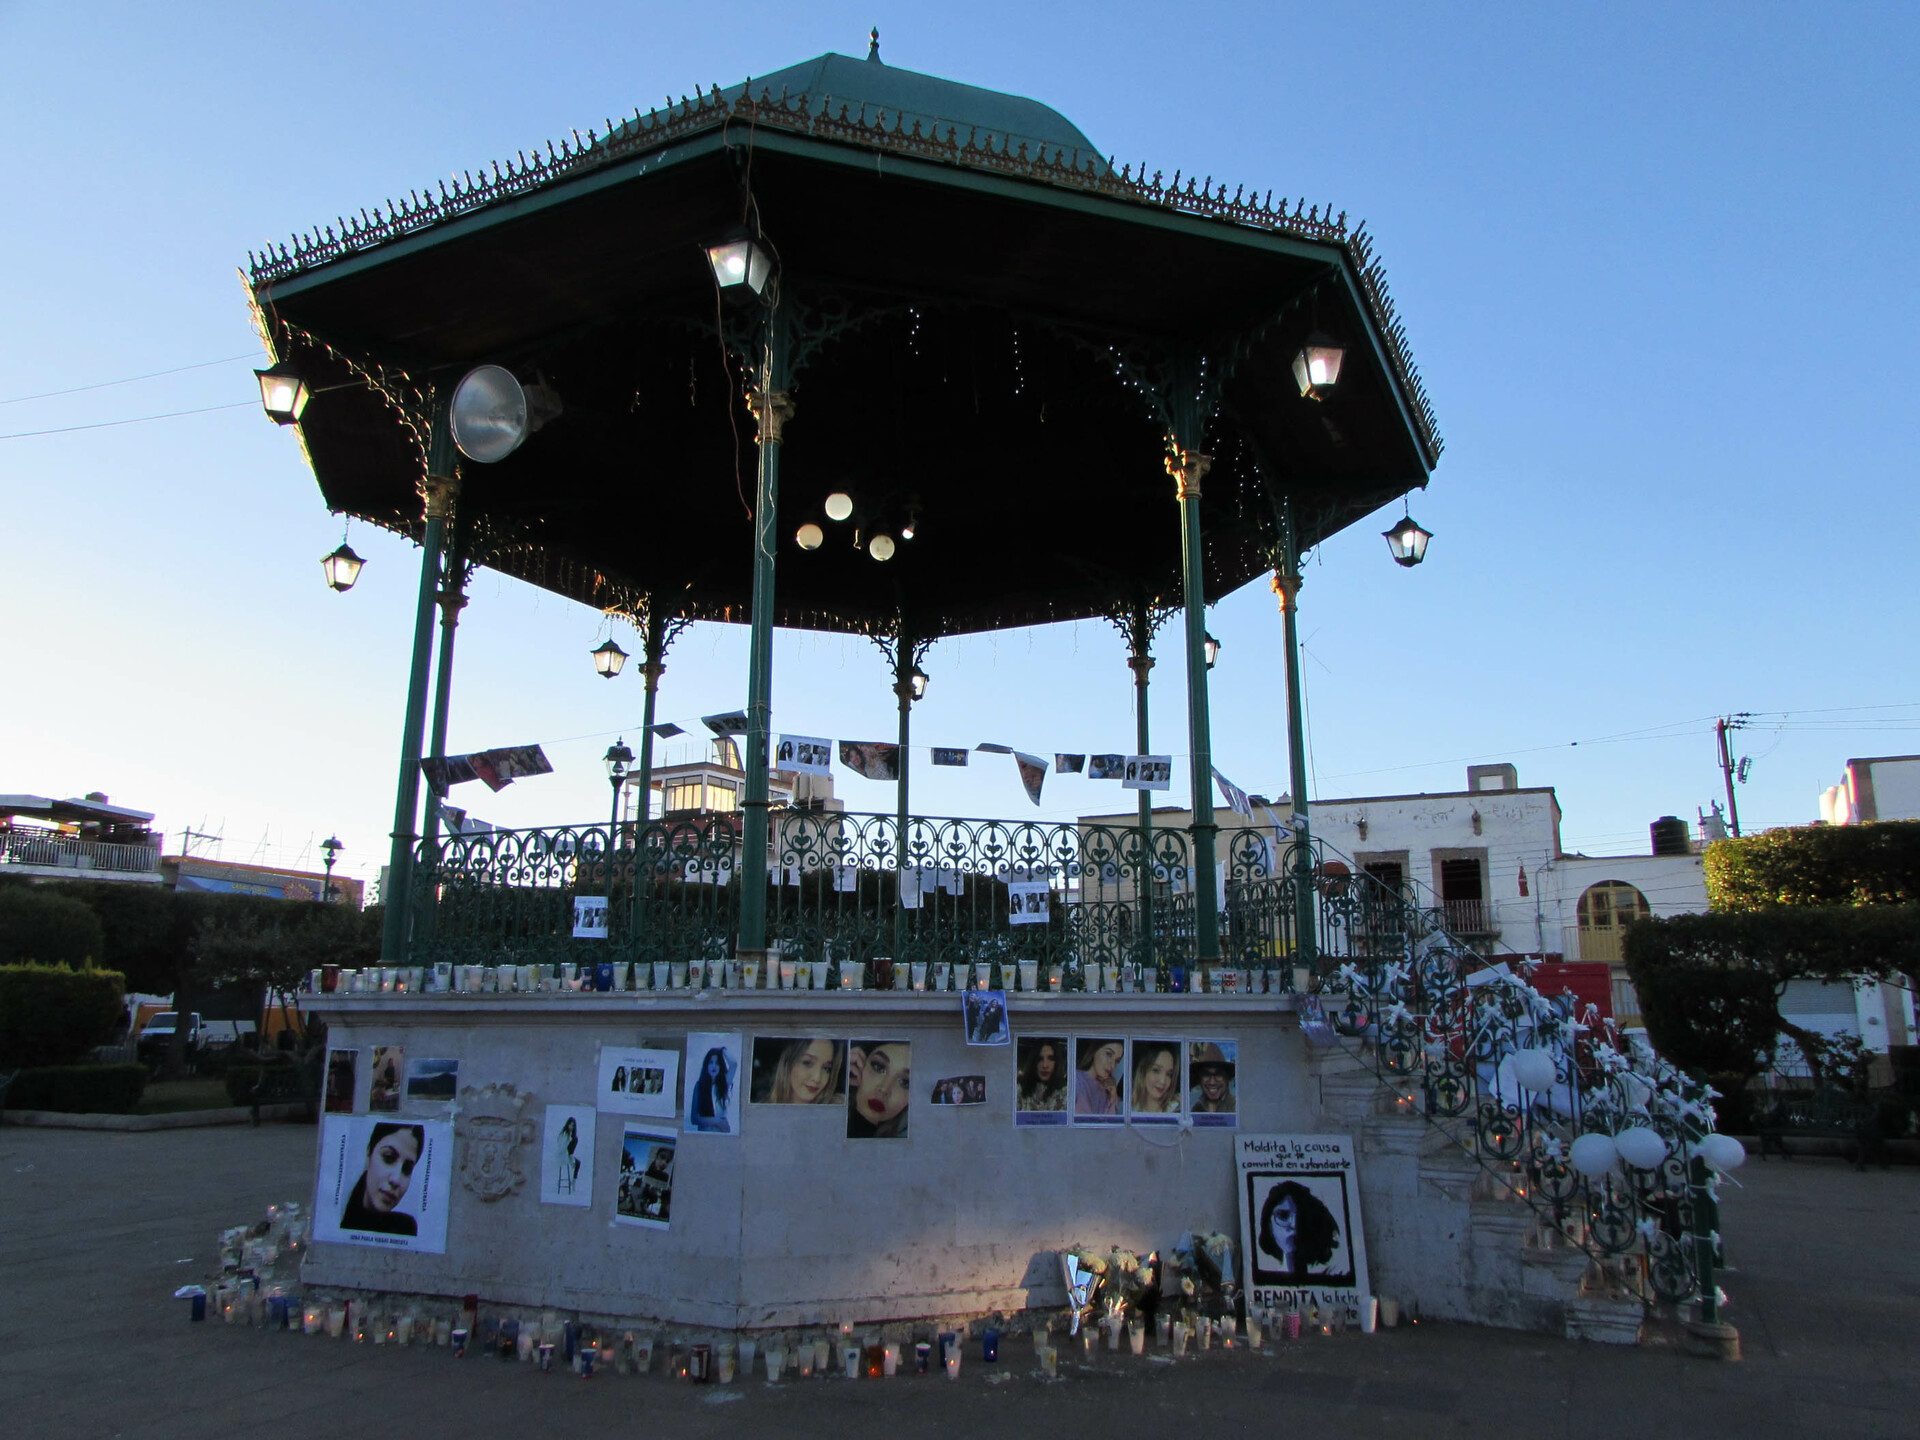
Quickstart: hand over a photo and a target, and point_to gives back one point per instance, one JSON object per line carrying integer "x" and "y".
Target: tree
{"x": 1877, "y": 864}
{"x": 41, "y": 926}
{"x": 274, "y": 950}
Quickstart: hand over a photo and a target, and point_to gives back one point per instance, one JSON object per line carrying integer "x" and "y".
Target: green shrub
{"x": 243, "y": 1075}
{"x": 1876, "y": 864}
{"x": 40, "y": 925}
{"x": 50, "y": 1015}
{"x": 79, "y": 1089}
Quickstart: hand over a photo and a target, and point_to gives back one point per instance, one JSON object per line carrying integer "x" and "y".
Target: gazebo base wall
{"x": 790, "y": 1222}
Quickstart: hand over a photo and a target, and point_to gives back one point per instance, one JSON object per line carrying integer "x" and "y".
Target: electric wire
{"x": 136, "y": 420}
{"x": 129, "y": 380}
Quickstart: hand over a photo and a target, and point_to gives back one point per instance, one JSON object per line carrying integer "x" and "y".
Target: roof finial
{"x": 873, "y": 46}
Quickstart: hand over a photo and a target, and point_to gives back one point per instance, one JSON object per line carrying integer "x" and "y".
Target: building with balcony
{"x": 78, "y": 839}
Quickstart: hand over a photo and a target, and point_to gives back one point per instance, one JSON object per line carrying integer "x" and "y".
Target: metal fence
{"x": 31, "y": 847}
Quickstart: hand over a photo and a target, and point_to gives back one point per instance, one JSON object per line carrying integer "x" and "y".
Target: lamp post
{"x": 618, "y": 758}
{"x": 743, "y": 268}
{"x": 1140, "y": 627}
{"x": 909, "y": 685}
{"x": 331, "y": 848}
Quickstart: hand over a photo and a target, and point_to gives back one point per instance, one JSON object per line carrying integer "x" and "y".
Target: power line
{"x": 136, "y": 420}
{"x": 130, "y": 380}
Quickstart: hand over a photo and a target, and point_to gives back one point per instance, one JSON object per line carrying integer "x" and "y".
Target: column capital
{"x": 1286, "y": 585}
{"x": 452, "y": 602}
{"x": 1140, "y": 665}
{"x": 771, "y": 411}
{"x": 1188, "y": 468}
{"x": 440, "y": 492}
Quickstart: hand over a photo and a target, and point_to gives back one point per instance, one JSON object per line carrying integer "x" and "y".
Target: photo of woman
{"x": 807, "y": 1070}
{"x": 1299, "y": 1236}
{"x": 1099, "y": 1087}
{"x": 566, "y": 1156}
{"x": 1040, "y": 1096}
{"x": 373, "y": 1204}
{"x": 383, "y": 1090}
{"x": 1156, "y": 1078}
{"x": 710, "y": 1101}
{"x": 879, "y": 1085}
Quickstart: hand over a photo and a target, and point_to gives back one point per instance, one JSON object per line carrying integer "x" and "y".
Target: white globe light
{"x": 1535, "y": 1069}
{"x": 881, "y": 547}
{"x": 839, "y": 505}
{"x": 1723, "y": 1152}
{"x": 810, "y": 536}
{"x": 1593, "y": 1155}
{"x": 1641, "y": 1147}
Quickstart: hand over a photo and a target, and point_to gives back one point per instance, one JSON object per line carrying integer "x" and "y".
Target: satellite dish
{"x": 489, "y": 414}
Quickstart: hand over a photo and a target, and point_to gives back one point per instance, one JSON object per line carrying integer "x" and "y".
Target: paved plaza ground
{"x": 98, "y": 1229}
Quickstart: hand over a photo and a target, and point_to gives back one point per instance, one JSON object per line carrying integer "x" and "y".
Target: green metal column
{"x": 903, "y": 689}
{"x": 441, "y": 487}
{"x": 771, "y": 409}
{"x": 1286, "y": 584}
{"x": 652, "y": 667}
{"x": 1141, "y": 663}
{"x": 453, "y": 600}
{"x": 1188, "y": 468}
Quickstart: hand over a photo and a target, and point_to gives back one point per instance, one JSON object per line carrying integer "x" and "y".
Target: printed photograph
{"x": 1042, "y": 1067}
{"x": 713, "y": 1083}
{"x": 874, "y": 759}
{"x": 566, "y": 1155}
{"x": 1028, "y": 902}
{"x": 804, "y": 755}
{"x": 639, "y": 1082}
{"x": 1106, "y": 767}
{"x": 1212, "y": 1081}
{"x": 960, "y": 1090}
{"x": 879, "y": 1088}
{"x": 943, "y": 756}
{"x": 1156, "y": 1095}
{"x": 432, "y": 1082}
{"x": 384, "y": 1182}
{"x": 985, "y": 1014}
{"x": 383, "y": 1084}
{"x": 1099, "y": 1079}
{"x": 343, "y": 1074}
{"x": 645, "y": 1193}
{"x": 799, "y": 1070}
{"x": 1148, "y": 772}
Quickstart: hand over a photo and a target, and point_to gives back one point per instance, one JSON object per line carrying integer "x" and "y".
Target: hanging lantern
{"x": 1408, "y": 541}
{"x": 283, "y": 393}
{"x": 1212, "y": 648}
{"x": 740, "y": 264}
{"x": 1317, "y": 367}
{"x": 608, "y": 658}
{"x": 919, "y": 682}
{"x": 341, "y": 567}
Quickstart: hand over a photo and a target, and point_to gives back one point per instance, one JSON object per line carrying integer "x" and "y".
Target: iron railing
{"x": 30, "y": 847}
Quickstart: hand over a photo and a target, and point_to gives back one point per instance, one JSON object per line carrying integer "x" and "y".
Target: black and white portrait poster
{"x": 384, "y": 1182}
{"x": 645, "y": 1194}
{"x": 804, "y": 755}
{"x": 639, "y": 1082}
{"x": 566, "y": 1155}
{"x": 714, "y": 1081}
{"x": 1148, "y": 772}
{"x": 1300, "y": 1222}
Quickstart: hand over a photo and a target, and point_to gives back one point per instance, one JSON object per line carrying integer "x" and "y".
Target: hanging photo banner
{"x": 1235, "y": 798}
{"x": 994, "y": 749}
{"x": 804, "y": 755}
{"x": 1069, "y": 764}
{"x": 1106, "y": 767}
{"x": 645, "y": 1194}
{"x": 1033, "y": 774}
{"x": 733, "y": 722}
{"x": 1027, "y": 902}
{"x": 384, "y": 1183}
{"x": 1300, "y": 1216}
{"x": 497, "y": 768}
{"x": 666, "y": 730}
{"x": 589, "y": 917}
{"x": 1148, "y": 772}
{"x": 566, "y": 1156}
{"x": 873, "y": 759}
{"x": 639, "y": 1082}
{"x": 949, "y": 757}
{"x": 713, "y": 1082}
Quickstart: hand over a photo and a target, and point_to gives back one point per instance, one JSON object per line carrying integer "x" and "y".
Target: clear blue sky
{"x": 1656, "y": 262}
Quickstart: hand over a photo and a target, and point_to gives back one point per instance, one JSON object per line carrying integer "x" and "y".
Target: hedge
{"x": 39, "y": 924}
{"x": 79, "y": 1089}
{"x": 1877, "y": 864}
{"x": 50, "y": 1015}
{"x": 244, "y": 1076}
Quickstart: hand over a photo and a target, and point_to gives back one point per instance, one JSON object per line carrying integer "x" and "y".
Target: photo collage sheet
{"x": 386, "y": 1150}
{"x": 1074, "y": 1079}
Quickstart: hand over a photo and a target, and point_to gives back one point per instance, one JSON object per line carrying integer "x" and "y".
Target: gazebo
{"x": 984, "y": 376}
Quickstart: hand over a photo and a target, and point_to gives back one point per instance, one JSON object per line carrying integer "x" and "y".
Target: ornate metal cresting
{"x": 877, "y": 130}
{"x": 440, "y": 488}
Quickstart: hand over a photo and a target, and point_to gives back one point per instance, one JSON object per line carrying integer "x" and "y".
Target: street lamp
{"x": 341, "y": 567}
{"x": 283, "y": 393}
{"x": 1408, "y": 541}
{"x": 618, "y": 758}
{"x": 741, "y": 265}
{"x": 607, "y": 659}
{"x": 1212, "y": 648}
{"x": 918, "y": 680}
{"x": 1316, "y": 368}
{"x": 331, "y": 848}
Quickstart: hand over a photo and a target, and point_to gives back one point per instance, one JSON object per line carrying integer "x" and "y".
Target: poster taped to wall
{"x": 383, "y": 1085}
{"x": 799, "y": 1070}
{"x": 566, "y": 1155}
{"x": 343, "y": 1075}
{"x": 1213, "y": 1081}
{"x": 713, "y": 1082}
{"x": 1300, "y": 1218}
{"x": 431, "y": 1085}
{"x": 384, "y": 1182}
{"x": 645, "y": 1193}
{"x": 1042, "y": 1068}
{"x": 639, "y": 1082}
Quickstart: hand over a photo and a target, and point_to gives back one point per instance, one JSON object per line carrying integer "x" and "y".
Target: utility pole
{"x": 1720, "y": 728}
